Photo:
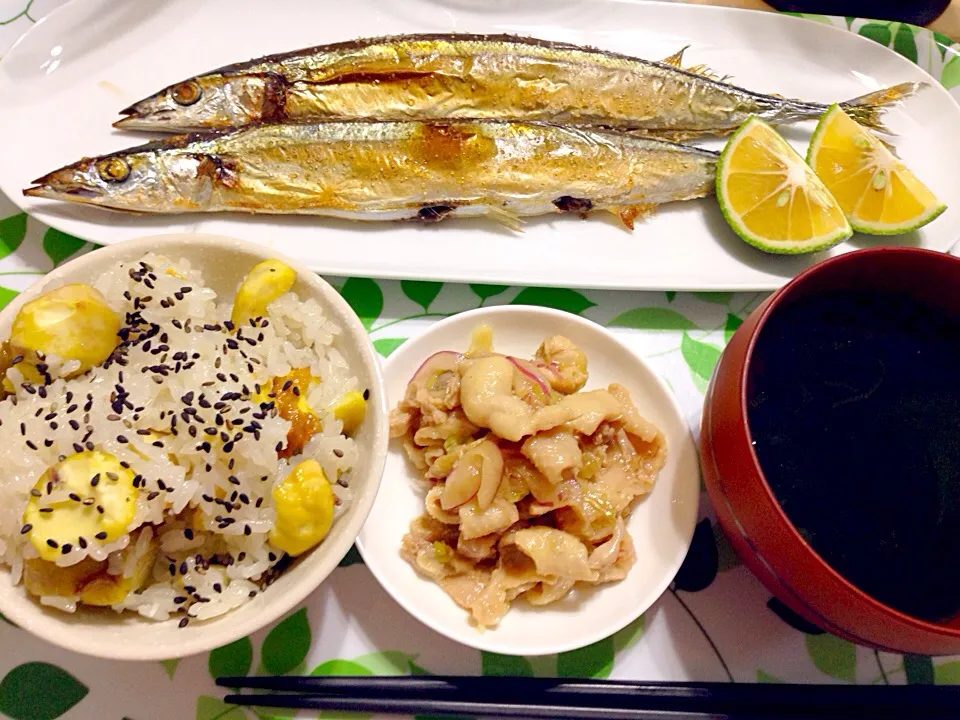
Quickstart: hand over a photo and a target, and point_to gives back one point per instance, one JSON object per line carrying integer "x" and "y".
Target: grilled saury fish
{"x": 388, "y": 171}
{"x": 424, "y": 77}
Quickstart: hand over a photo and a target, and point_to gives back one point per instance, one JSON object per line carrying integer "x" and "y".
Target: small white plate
{"x": 661, "y": 525}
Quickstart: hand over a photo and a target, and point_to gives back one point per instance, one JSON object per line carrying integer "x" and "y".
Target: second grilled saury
{"x": 427, "y": 77}
{"x": 390, "y": 171}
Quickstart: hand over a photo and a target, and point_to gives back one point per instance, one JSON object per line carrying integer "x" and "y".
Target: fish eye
{"x": 186, "y": 93}
{"x": 114, "y": 169}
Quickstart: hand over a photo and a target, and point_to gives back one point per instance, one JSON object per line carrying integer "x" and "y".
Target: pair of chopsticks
{"x": 541, "y": 698}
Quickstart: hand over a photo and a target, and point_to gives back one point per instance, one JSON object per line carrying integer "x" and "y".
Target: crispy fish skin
{"x": 426, "y": 77}
{"x": 390, "y": 171}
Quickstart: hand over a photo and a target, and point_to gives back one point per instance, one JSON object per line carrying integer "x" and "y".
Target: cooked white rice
{"x": 180, "y": 368}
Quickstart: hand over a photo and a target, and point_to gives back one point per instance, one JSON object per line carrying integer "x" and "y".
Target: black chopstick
{"x": 596, "y": 699}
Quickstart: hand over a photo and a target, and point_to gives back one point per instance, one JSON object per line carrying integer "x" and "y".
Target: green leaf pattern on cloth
{"x": 287, "y": 644}
{"x": 211, "y": 708}
{"x": 365, "y": 297}
{"x": 485, "y": 292}
{"x": 919, "y": 670}
{"x": 833, "y": 656}
{"x": 6, "y": 295}
{"x": 505, "y": 665}
{"x": 421, "y": 292}
{"x": 595, "y": 661}
{"x": 947, "y": 673}
{"x": 59, "y": 246}
{"x": 12, "y": 231}
{"x": 951, "y": 73}
{"x": 697, "y": 323}
{"x": 652, "y": 318}
{"x": 233, "y": 659}
{"x": 385, "y": 346}
{"x": 701, "y": 358}
{"x": 39, "y": 691}
{"x": 558, "y": 298}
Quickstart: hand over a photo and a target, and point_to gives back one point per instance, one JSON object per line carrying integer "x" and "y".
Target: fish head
{"x": 156, "y": 177}
{"x": 215, "y": 100}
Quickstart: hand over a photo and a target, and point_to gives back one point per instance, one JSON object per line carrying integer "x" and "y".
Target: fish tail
{"x": 868, "y": 109}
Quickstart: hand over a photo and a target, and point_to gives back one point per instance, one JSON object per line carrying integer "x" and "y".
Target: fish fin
{"x": 705, "y": 71}
{"x": 629, "y": 213}
{"x": 868, "y": 108}
{"x": 675, "y": 60}
{"x": 505, "y": 217}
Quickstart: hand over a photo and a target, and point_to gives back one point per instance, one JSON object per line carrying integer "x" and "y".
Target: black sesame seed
{"x": 217, "y": 587}
{"x": 66, "y": 548}
{"x": 207, "y": 498}
{"x": 210, "y": 431}
{"x": 183, "y": 568}
{"x": 233, "y": 480}
{"x": 73, "y": 424}
{"x": 228, "y": 447}
{"x": 77, "y": 447}
{"x": 82, "y": 542}
{"x": 31, "y": 445}
{"x": 183, "y": 623}
{"x": 153, "y": 496}
{"x": 46, "y": 510}
{"x": 253, "y": 593}
{"x": 100, "y": 535}
{"x": 247, "y": 530}
{"x": 89, "y": 445}
{"x": 259, "y": 502}
{"x": 26, "y": 528}
{"x": 190, "y": 589}
{"x": 48, "y": 442}
{"x": 338, "y": 452}
{"x": 74, "y": 497}
{"x": 179, "y": 600}
{"x": 100, "y": 509}
{"x": 52, "y": 543}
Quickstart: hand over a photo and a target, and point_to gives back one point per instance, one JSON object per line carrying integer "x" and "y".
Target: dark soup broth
{"x": 854, "y": 409}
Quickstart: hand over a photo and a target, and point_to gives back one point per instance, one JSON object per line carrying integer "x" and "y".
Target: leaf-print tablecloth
{"x": 715, "y": 623}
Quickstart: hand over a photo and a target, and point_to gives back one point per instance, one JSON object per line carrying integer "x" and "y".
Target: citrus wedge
{"x": 771, "y": 197}
{"x": 876, "y": 191}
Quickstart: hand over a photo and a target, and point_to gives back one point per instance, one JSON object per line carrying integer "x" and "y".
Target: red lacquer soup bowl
{"x": 747, "y": 509}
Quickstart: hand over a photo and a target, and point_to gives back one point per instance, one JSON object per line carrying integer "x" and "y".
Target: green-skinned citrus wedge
{"x": 876, "y": 191}
{"x": 772, "y": 198}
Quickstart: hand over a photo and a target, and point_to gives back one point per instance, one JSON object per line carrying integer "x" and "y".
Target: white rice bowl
{"x": 189, "y": 384}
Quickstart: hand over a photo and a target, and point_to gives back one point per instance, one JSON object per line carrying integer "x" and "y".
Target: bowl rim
{"x": 109, "y": 647}
{"x": 767, "y": 310}
{"x": 481, "y": 641}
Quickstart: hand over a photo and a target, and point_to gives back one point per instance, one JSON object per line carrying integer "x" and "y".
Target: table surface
{"x": 715, "y": 623}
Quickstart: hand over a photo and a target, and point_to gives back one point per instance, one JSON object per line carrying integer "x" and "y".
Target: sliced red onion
{"x": 523, "y": 367}
{"x": 443, "y": 361}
